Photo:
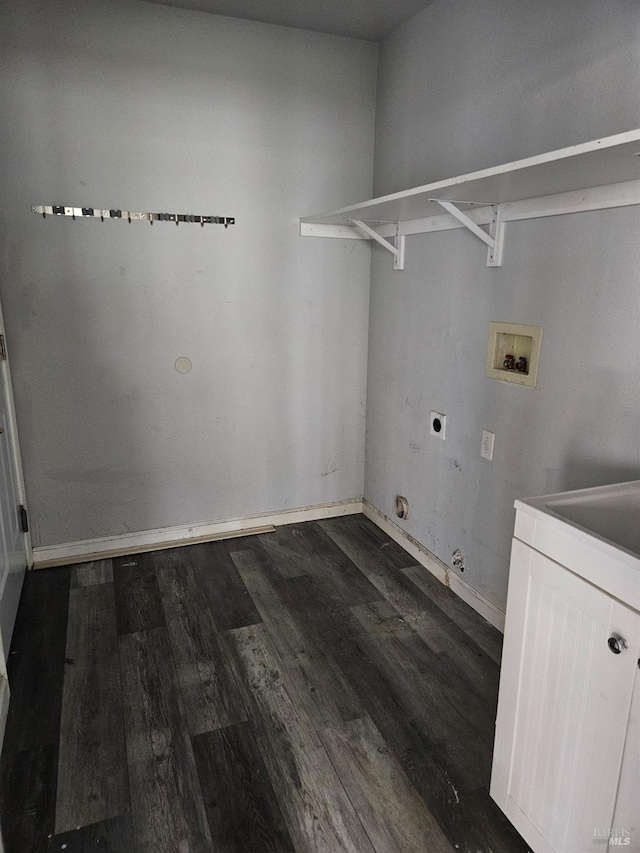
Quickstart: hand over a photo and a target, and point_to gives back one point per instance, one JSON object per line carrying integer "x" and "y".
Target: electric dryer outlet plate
{"x": 438, "y": 425}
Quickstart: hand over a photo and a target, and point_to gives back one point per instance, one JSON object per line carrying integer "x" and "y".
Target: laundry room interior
{"x": 227, "y": 366}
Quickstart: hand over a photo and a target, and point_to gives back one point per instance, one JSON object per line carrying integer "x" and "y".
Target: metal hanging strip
{"x": 130, "y": 215}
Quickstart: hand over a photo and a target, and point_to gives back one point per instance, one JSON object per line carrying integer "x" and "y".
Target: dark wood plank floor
{"x": 311, "y": 690}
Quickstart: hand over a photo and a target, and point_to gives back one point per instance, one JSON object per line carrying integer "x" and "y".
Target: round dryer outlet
{"x": 402, "y": 507}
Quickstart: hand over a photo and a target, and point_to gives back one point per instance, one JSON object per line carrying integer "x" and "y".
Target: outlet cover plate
{"x": 438, "y": 418}
{"x": 486, "y": 450}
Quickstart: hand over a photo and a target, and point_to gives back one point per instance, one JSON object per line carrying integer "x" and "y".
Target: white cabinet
{"x": 566, "y": 767}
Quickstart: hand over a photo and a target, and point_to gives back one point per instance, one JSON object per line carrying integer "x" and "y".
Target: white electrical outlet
{"x": 486, "y": 451}
{"x": 438, "y": 424}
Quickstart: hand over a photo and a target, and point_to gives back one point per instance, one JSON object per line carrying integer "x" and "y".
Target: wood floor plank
{"x": 27, "y": 804}
{"x": 442, "y": 635}
{"x": 88, "y": 574}
{"x": 325, "y": 693}
{"x": 36, "y": 661}
{"x": 211, "y": 697}
{"x": 230, "y": 603}
{"x": 439, "y": 700}
{"x": 366, "y": 544}
{"x": 167, "y": 810}
{"x": 109, "y": 836}
{"x": 458, "y": 687}
{"x": 393, "y": 813}
{"x": 305, "y": 549}
{"x": 410, "y": 604}
{"x": 242, "y": 543}
{"x": 498, "y": 833}
{"x": 358, "y": 647}
{"x": 282, "y": 547}
{"x": 430, "y": 622}
{"x": 431, "y": 694}
{"x": 390, "y": 581}
{"x": 465, "y": 617}
{"x": 381, "y": 619}
{"x": 359, "y": 537}
{"x": 244, "y": 815}
{"x": 412, "y": 743}
{"x": 318, "y": 813}
{"x": 138, "y": 603}
{"x": 92, "y": 779}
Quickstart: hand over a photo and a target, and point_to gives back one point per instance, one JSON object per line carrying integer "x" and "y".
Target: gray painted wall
{"x": 465, "y": 85}
{"x": 469, "y": 84}
{"x": 134, "y": 105}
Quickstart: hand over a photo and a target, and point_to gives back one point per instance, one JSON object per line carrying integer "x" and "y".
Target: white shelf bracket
{"x": 493, "y": 239}
{"x": 496, "y": 230}
{"x": 396, "y": 248}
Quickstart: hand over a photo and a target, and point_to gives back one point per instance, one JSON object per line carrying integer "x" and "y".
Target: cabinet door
{"x": 626, "y": 818}
{"x": 563, "y": 705}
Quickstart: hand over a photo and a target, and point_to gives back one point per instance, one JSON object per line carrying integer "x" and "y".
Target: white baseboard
{"x": 187, "y": 534}
{"x": 171, "y": 537}
{"x": 487, "y": 609}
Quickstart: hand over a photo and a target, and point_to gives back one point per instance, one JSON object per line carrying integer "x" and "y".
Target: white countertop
{"x": 593, "y": 532}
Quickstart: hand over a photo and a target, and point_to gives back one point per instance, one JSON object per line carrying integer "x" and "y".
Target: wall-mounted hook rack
{"x": 130, "y": 215}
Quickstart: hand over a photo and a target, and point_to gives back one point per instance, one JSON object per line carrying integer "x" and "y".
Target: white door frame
{"x": 14, "y": 442}
{"x": 14, "y": 445}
